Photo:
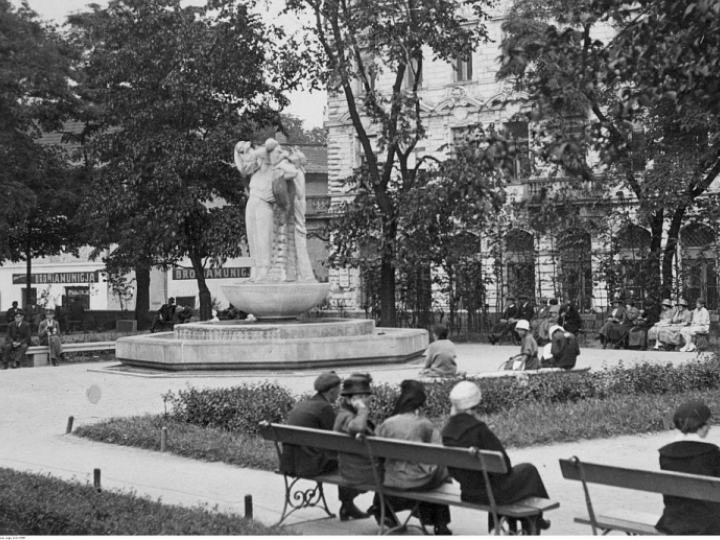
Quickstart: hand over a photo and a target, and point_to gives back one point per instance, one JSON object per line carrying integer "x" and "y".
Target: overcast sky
{"x": 304, "y": 105}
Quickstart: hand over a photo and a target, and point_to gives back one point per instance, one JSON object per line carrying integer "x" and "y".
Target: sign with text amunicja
{"x": 213, "y": 273}
{"x": 58, "y": 277}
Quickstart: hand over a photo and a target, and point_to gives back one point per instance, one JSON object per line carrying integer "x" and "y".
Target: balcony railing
{"x": 317, "y": 204}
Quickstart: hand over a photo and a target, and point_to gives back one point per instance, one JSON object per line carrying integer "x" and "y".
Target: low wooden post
{"x": 163, "y": 439}
{"x": 248, "y": 507}
{"x": 96, "y": 480}
{"x": 69, "y": 427}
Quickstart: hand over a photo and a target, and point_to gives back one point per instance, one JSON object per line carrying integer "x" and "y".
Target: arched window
{"x": 520, "y": 263}
{"x": 576, "y": 268}
{"x": 698, "y": 274}
{"x": 635, "y": 271}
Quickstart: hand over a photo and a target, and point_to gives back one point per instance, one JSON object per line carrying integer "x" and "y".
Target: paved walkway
{"x": 36, "y": 404}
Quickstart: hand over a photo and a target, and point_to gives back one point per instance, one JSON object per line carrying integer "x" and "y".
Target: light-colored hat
{"x": 465, "y": 395}
{"x": 682, "y": 302}
{"x": 667, "y": 302}
{"x": 555, "y": 328}
{"x": 522, "y": 324}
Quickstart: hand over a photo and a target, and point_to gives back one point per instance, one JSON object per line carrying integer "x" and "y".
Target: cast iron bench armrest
{"x": 692, "y": 486}
{"x": 416, "y": 452}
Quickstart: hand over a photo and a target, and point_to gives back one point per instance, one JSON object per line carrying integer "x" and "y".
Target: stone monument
{"x": 281, "y": 287}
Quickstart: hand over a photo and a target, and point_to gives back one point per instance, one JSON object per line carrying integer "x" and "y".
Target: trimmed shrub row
{"x": 241, "y": 408}
{"x": 34, "y": 505}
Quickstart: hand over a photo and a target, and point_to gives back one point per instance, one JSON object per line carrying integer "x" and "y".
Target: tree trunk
{"x": 203, "y": 291}
{"x": 671, "y": 248}
{"x": 656, "y": 231}
{"x": 142, "y": 296}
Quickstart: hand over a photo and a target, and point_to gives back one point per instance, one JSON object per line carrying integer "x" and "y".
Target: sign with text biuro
{"x": 58, "y": 277}
{"x": 213, "y": 273}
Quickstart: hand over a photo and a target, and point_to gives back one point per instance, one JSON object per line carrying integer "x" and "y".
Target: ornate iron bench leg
{"x": 303, "y": 498}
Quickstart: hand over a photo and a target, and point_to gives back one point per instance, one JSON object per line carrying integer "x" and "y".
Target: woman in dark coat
{"x": 569, "y": 318}
{"x": 690, "y": 454}
{"x": 465, "y": 429}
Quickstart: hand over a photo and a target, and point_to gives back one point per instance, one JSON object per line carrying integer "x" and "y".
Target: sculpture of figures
{"x": 275, "y": 212}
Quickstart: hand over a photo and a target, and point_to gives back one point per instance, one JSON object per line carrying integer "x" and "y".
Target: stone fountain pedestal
{"x": 316, "y": 344}
{"x": 277, "y": 341}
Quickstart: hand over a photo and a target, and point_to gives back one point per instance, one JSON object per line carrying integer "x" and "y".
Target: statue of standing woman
{"x": 275, "y": 212}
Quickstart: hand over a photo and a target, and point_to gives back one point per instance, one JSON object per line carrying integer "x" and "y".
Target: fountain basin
{"x": 276, "y": 300}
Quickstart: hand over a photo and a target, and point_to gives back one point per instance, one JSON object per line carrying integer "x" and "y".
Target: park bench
{"x": 377, "y": 447}
{"x": 628, "y": 520}
{"x": 39, "y": 355}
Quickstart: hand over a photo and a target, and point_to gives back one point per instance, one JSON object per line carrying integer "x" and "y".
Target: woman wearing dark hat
{"x": 569, "y": 318}
{"x": 352, "y": 419}
{"x": 700, "y": 323}
{"x": 407, "y": 423}
{"x": 690, "y": 454}
{"x": 466, "y": 429}
{"x": 669, "y": 336}
{"x": 616, "y": 326}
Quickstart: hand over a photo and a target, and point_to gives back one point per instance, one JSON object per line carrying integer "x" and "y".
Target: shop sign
{"x": 58, "y": 277}
{"x": 236, "y": 272}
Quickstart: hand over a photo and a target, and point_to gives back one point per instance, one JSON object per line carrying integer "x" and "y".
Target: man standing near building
{"x": 318, "y": 413}
{"x": 17, "y": 341}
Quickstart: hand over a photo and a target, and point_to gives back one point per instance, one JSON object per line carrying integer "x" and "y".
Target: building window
{"x": 519, "y": 134}
{"x": 463, "y": 68}
{"x": 699, "y": 264}
{"x": 413, "y": 73}
{"x": 576, "y": 268}
{"x": 520, "y": 263}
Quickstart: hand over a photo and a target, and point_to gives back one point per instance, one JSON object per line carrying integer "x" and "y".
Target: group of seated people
{"x": 550, "y": 313}
{"x": 669, "y": 326}
{"x": 465, "y": 428}
{"x": 171, "y": 314}
{"x": 560, "y": 352}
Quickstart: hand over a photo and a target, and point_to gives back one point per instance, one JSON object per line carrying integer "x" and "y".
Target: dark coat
{"x": 565, "y": 351}
{"x": 18, "y": 333}
{"x": 10, "y": 314}
{"x": 684, "y": 516}
{"x": 570, "y": 319}
{"x": 527, "y": 311}
{"x": 522, "y": 481}
{"x": 316, "y": 413}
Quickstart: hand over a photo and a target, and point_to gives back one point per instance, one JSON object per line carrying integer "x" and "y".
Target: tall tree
{"x": 173, "y": 89}
{"x": 359, "y": 42}
{"x": 638, "y": 84}
{"x": 39, "y": 189}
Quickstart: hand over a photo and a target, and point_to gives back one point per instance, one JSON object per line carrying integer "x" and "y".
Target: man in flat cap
{"x": 17, "y": 341}
{"x": 318, "y": 413}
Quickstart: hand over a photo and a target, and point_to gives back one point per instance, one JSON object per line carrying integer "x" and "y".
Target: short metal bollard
{"x": 69, "y": 427}
{"x": 248, "y": 507}
{"x": 96, "y": 480}
{"x": 163, "y": 439}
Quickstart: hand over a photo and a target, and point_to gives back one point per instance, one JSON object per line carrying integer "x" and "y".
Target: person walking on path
{"x": 17, "y": 341}
{"x": 440, "y": 355}
{"x": 689, "y": 453}
{"x": 49, "y": 334}
{"x": 700, "y": 323}
{"x": 318, "y": 413}
{"x": 406, "y": 423}
{"x": 465, "y": 429}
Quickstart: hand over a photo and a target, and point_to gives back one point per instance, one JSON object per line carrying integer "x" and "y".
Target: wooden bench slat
{"x": 625, "y": 525}
{"x": 691, "y": 486}
{"x": 461, "y": 458}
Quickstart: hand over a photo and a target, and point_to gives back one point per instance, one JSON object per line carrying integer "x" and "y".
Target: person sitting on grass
{"x": 691, "y": 454}
{"x": 564, "y": 349}
{"x": 465, "y": 429}
{"x": 528, "y": 357}
{"x": 440, "y": 355}
{"x": 408, "y": 424}
{"x": 318, "y": 413}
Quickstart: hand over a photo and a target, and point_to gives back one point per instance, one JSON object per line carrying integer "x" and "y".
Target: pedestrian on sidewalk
{"x": 318, "y": 413}
{"x": 465, "y": 429}
{"x": 689, "y": 453}
{"x": 49, "y": 334}
{"x": 17, "y": 341}
{"x": 408, "y": 424}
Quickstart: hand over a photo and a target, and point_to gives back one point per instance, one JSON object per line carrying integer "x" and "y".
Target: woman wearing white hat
{"x": 528, "y": 357}
{"x": 466, "y": 429}
{"x": 666, "y": 315}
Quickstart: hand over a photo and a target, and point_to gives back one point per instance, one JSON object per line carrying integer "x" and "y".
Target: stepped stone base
{"x": 281, "y": 345}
